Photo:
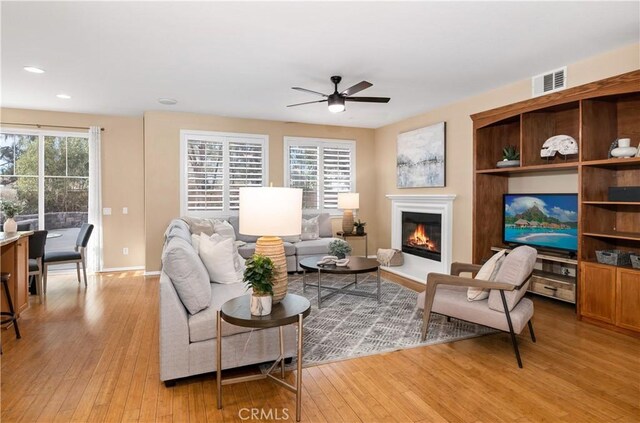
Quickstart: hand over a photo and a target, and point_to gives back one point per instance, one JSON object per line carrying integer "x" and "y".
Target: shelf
{"x": 594, "y": 261}
{"x": 632, "y": 236}
{"x": 612, "y": 203}
{"x": 551, "y": 296}
{"x": 530, "y": 169}
{"x": 555, "y": 277}
{"x": 613, "y": 163}
{"x": 549, "y": 257}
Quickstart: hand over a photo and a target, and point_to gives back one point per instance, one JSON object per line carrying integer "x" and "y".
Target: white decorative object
{"x": 10, "y": 226}
{"x": 624, "y": 149}
{"x": 261, "y": 305}
{"x": 563, "y": 144}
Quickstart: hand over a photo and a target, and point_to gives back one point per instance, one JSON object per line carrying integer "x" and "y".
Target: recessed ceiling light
{"x": 167, "y": 101}
{"x": 64, "y": 96}
{"x": 33, "y": 69}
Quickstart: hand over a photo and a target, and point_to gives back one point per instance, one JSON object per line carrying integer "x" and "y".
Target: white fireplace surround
{"x": 414, "y": 267}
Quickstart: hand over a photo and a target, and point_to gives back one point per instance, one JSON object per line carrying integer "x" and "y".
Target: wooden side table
{"x": 292, "y": 309}
{"x": 354, "y": 235}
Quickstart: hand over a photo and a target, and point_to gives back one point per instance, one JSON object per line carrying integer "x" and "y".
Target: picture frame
{"x": 421, "y": 157}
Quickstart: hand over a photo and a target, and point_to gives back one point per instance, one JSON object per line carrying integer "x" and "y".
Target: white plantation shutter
{"x": 245, "y": 169}
{"x": 322, "y": 168}
{"x": 336, "y": 173}
{"x": 215, "y": 166}
{"x": 303, "y": 173}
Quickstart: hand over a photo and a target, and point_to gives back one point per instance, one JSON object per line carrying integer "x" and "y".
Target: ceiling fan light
{"x": 336, "y": 104}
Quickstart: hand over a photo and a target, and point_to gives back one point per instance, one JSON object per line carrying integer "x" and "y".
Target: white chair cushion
{"x": 515, "y": 269}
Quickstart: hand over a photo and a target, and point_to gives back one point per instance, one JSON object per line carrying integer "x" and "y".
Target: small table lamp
{"x": 348, "y": 201}
{"x": 270, "y": 212}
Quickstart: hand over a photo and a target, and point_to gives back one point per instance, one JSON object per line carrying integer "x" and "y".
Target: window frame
{"x": 225, "y": 138}
{"x": 320, "y": 143}
{"x": 41, "y": 175}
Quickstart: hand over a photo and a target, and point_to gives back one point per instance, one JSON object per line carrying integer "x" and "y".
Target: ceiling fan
{"x": 336, "y": 100}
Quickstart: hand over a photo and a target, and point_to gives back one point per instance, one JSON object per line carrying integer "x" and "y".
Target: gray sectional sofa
{"x": 188, "y": 340}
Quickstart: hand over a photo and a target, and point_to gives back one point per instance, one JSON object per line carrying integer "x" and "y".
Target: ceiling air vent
{"x": 549, "y": 82}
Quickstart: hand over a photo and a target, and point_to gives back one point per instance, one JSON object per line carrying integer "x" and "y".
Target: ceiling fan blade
{"x": 309, "y": 91}
{"x": 357, "y": 88}
{"x": 308, "y": 102}
{"x": 369, "y": 99}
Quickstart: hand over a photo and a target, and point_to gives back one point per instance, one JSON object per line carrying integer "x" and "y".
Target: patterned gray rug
{"x": 348, "y": 326}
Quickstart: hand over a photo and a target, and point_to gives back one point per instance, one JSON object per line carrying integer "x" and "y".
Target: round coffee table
{"x": 356, "y": 266}
{"x": 292, "y": 309}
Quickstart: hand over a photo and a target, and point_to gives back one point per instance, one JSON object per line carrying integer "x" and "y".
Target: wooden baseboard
{"x": 408, "y": 283}
{"x": 609, "y": 326}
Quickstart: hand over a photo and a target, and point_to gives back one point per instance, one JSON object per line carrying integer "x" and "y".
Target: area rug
{"x": 348, "y": 326}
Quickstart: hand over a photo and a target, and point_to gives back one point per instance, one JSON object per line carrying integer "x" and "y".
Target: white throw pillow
{"x": 224, "y": 228}
{"x": 238, "y": 260}
{"x": 310, "y": 229}
{"x": 217, "y": 255}
{"x": 195, "y": 242}
{"x": 486, "y": 273}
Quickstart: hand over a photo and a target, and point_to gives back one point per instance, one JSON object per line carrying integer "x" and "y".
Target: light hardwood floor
{"x": 93, "y": 356}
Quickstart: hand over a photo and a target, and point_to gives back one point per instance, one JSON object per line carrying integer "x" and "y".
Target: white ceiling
{"x": 241, "y": 59}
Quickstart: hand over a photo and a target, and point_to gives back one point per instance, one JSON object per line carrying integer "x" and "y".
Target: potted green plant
{"x": 510, "y": 157}
{"x": 10, "y": 210}
{"x": 359, "y": 225}
{"x": 339, "y": 248}
{"x": 258, "y": 275}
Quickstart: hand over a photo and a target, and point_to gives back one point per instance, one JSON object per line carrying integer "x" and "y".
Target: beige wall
{"x": 459, "y": 145}
{"x": 162, "y": 164}
{"x": 122, "y": 177}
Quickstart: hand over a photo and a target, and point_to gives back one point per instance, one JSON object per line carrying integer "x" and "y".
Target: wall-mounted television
{"x": 543, "y": 221}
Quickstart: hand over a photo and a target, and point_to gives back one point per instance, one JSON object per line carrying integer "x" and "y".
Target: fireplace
{"x": 422, "y": 234}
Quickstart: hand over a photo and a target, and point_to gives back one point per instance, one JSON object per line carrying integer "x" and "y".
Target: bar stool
{"x": 11, "y": 314}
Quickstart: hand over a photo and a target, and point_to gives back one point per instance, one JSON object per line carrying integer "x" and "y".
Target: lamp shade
{"x": 348, "y": 200}
{"x": 270, "y": 211}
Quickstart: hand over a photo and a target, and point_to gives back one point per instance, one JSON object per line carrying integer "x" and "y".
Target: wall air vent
{"x": 549, "y": 82}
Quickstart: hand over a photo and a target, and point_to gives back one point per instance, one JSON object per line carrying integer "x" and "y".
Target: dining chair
{"x": 37, "y": 243}
{"x": 77, "y": 255}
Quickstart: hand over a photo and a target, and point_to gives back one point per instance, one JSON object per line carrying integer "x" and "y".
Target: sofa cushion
{"x": 176, "y": 223}
{"x": 219, "y": 256}
{"x": 247, "y": 250}
{"x": 310, "y": 229}
{"x": 324, "y": 223}
{"x": 515, "y": 269}
{"x": 198, "y": 225}
{"x": 187, "y": 273}
{"x": 224, "y": 228}
{"x": 179, "y": 232}
{"x": 487, "y": 272}
{"x": 235, "y": 222}
{"x": 202, "y": 326}
{"x": 312, "y": 247}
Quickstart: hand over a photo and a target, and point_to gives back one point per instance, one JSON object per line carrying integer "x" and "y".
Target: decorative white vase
{"x": 624, "y": 149}
{"x": 261, "y": 305}
{"x": 10, "y": 226}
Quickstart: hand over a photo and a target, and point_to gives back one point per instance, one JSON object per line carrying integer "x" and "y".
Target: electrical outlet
{"x": 125, "y": 251}
{"x": 125, "y": 210}
{"x": 106, "y": 211}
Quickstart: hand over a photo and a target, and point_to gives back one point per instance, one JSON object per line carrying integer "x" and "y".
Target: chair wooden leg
{"x": 78, "y": 270}
{"x": 514, "y": 341}
{"x": 39, "y": 287}
{"x": 44, "y": 282}
{"x": 84, "y": 271}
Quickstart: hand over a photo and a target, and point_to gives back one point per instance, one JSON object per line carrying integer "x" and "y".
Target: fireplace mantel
{"x": 417, "y": 268}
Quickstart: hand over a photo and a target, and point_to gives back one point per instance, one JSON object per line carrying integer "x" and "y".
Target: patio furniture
{"x": 77, "y": 256}
{"x": 37, "y": 242}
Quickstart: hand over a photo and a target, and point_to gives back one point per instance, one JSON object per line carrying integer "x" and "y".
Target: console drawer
{"x": 553, "y": 288}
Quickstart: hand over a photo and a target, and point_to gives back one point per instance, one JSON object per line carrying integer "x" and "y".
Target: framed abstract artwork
{"x": 420, "y": 158}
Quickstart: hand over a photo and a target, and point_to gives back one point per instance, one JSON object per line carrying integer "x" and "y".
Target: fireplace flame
{"x": 420, "y": 239}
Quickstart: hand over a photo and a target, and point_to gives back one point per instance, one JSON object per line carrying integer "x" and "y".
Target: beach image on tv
{"x": 548, "y": 221}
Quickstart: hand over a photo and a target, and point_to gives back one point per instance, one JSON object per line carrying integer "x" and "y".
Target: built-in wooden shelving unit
{"x": 594, "y": 114}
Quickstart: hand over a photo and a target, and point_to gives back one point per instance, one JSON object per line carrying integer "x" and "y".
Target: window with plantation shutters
{"x": 322, "y": 168}
{"x": 214, "y": 166}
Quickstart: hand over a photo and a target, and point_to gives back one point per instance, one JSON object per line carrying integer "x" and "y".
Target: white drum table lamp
{"x": 271, "y": 212}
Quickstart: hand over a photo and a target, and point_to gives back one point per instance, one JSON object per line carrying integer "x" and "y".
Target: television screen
{"x": 542, "y": 220}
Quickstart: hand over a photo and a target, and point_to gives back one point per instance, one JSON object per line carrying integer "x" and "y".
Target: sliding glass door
{"x": 48, "y": 173}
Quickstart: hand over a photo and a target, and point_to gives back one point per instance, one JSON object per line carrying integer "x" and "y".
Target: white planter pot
{"x": 261, "y": 306}
{"x": 10, "y": 226}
